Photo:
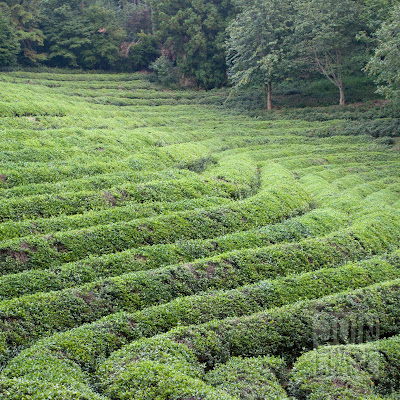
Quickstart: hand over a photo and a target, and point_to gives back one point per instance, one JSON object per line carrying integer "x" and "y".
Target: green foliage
{"x": 250, "y": 378}
{"x": 257, "y": 46}
{"x": 86, "y": 38}
{"x": 88, "y": 345}
{"x": 143, "y": 52}
{"x": 78, "y": 202}
{"x": 193, "y": 34}
{"x": 165, "y": 71}
{"x": 325, "y": 37}
{"x": 352, "y": 371}
{"x": 385, "y": 128}
{"x": 145, "y": 258}
{"x": 142, "y": 289}
{"x": 137, "y": 18}
{"x": 9, "y": 46}
{"x": 286, "y": 331}
{"x": 385, "y": 63}
{"x": 25, "y": 18}
{"x": 155, "y": 244}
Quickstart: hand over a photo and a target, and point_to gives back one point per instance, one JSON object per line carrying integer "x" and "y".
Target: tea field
{"x": 158, "y": 244}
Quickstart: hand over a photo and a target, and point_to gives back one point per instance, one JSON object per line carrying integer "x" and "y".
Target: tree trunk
{"x": 151, "y": 16}
{"x": 269, "y": 96}
{"x": 342, "y": 98}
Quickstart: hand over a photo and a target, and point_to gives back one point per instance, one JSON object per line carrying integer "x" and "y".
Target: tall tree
{"x": 192, "y": 33}
{"x": 81, "y": 34}
{"x": 325, "y": 35}
{"x": 137, "y": 19}
{"x": 25, "y": 19}
{"x": 385, "y": 64}
{"x": 9, "y": 45}
{"x": 258, "y": 44}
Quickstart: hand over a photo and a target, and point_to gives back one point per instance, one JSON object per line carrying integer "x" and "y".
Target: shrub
{"x": 287, "y": 331}
{"x": 165, "y": 71}
{"x": 85, "y": 347}
{"x": 250, "y": 378}
{"x": 350, "y": 371}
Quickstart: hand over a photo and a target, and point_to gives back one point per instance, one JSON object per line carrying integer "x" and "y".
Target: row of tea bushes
{"x": 44, "y": 206}
{"x": 348, "y": 371}
{"x": 335, "y": 202}
{"x": 273, "y": 204}
{"x": 85, "y": 347}
{"x": 150, "y": 157}
{"x": 249, "y": 378}
{"x": 285, "y": 331}
{"x": 315, "y": 223}
{"x": 91, "y": 183}
{"x": 128, "y": 212}
{"x": 28, "y": 318}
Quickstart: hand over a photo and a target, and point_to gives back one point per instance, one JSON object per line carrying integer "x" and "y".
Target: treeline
{"x": 185, "y": 37}
{"x": 210, "y": 43}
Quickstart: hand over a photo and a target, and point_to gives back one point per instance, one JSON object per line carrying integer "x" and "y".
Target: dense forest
{"x": 210, "y": 43}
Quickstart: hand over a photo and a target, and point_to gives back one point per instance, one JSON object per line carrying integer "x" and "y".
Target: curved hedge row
{"x": 248, "y": 379}
{"x": 173, "y": 299}
{"x": 127, "y": 212}
{"x": 285, "y": 331}
{"x": 39, "y": 174}
{"x": 85, "y": 347}
{"x": 149, "y": 158}
{"x": 350, "y": 371}
{"x": 315, "y": 223}
{"x": 228, "y": 184}
{"x": 28, "y": 109}
{"x": 95, "y": 182}
{"x": 45, "y": 206}
{"x": 25, "y": 319}
{"x": 40, "y": 252}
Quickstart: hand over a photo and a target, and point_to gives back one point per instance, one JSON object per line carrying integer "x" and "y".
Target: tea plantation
{"x": 159, "y": 244}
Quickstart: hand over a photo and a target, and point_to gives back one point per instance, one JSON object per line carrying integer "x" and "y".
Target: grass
{"x": 160, "y": 244}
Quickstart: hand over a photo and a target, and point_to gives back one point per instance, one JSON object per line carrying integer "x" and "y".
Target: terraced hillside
{"x": 157, "y": 245}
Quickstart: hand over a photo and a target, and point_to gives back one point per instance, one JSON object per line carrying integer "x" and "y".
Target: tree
{"x": 325, "y": 36}
{"x": 25, "y": 18}
{"x": 385, "y": 64}
{"x": 258, "y": 44}
{"x": 142, "y": 52}
{"x": 140, "y": 47}
{"x": 138, "y": 20}
{"x": 9, "y": 45}
{"x": 79, "y": 34}
{"x": 192, "y": 33}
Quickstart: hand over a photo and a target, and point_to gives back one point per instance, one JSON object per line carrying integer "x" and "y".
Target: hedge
{"x": 127, "y": 212}
{"x": 317, "y": 222}
{"x": 85, "y": 347}
{"x": 94, "y": 182}
{"x": 30, "y": 317}
{"x": 41, "y": 252}
{"x": 44, "y": 206}
{"x": 151, "y": 157}
{"x": 42, "y": 173}
{"x": 350, "y": 371}
{"x": 250, "y": 378}
{"x": 286, "y": 331}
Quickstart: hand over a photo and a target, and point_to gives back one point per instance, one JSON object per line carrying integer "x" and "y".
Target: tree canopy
{"x": 326, "y": 38}
{"x": 192, "y": 34}
{"x": 258, "y": 44}
{"x": 208, "y": 43}
{"x": 9, "y": 45}
{"x": 385, "y": 64}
